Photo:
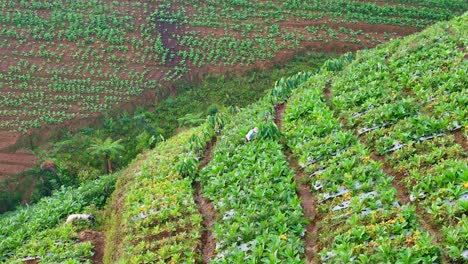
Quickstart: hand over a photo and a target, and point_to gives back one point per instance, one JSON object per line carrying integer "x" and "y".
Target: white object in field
{"x": 72, "y": 217}
{"x": 465, "y": 254}
{"x": 229, "y": 214}
{"x": 251, "y": 133}
{"x": 415, "y": 197}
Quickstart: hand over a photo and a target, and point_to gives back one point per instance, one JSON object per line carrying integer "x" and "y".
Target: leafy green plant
{"x": 106, "y": 148}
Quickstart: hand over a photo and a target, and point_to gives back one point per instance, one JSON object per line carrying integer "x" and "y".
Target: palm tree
{"x": 106, "y": 148}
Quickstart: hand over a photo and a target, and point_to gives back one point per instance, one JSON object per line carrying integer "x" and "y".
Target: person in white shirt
{"x": 89, "y": 217}
{"x": 251, "y": 134}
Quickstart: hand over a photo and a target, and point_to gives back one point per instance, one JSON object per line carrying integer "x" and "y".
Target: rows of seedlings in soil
{"x": 360, "y": 217}
{"x": 262, "y": 29}
{"x": 259, "y": 214}
{"x": 67, "y": 60}
{"x": 35, "y": 232}
{"x": 74, "y": 59}
{"x": 409, "y": 106}
{"x": 160, "y": 221}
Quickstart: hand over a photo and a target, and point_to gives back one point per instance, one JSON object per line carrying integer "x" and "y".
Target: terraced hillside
{"x": 65, "y": 61}
{"x": 38, "y": 233}
{"x": 362, "y": 162}
{"x": 359, "y": 207}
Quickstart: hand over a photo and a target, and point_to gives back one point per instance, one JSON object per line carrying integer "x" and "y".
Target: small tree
{"x": 108, "y": 149}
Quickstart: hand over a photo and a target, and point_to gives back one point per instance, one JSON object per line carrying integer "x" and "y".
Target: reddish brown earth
{"x": 461, "y": 139}
{"x": 32, "y": 261}
{"x": 397, "y": 181}
{"x": 13, "y": 161}
{"x": 207, "y": 210}
{"x": 327, "y": 93}
{"x": 97, "y": 240}
{"x": 308, "y": 202}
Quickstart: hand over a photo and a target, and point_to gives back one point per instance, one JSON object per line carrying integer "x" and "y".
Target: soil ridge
{"x": 308, "y": 201}
{"x": 207, "y": 210}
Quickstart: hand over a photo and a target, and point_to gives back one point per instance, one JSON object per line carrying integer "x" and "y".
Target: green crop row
{"x": 259, "y": 214}
{"x": 159, "y": 219}
{"x": 112, "y": 47}
{"x": 55, "y": 245}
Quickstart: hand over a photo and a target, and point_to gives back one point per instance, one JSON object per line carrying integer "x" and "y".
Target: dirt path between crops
{"x": 308, "y": 202}
{"x": 397, "y": 181}
{"x": 402, "y": 192}
{"x": 206, "y": 209}
{"x": 404, "y": 196}
{"x": 97, "y": 239}
{"x": 398, "y": 184}
{"x": 424, "y": 218}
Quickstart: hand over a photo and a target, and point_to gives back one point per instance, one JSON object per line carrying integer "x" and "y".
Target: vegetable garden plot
{"x": 260, "y": 217}
{"x": 99, "y": 50}
{"x": 251, "y": 187}
{"x": 31, "y": 231}
{"x": 160, "y": 220}
{"x": 361, "y": 218}
{"x": 55, "y": 245}
{"x": 416, "y": 133}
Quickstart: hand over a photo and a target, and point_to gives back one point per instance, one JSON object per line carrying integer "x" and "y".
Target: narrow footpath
{"x": 206, "y": 209}
{"x": 97, "y": 239}
{"x": 424, "y": 218}
{"x": 308, "y": 201}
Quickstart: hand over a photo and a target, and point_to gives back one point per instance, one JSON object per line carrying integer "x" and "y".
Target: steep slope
{"x": 252, "y": 189}
{"x": 381, "y": 140}
{"x": 154, "y": 216}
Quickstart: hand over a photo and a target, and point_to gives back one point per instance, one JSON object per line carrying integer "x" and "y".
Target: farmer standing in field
{"x": 251, "y": 134}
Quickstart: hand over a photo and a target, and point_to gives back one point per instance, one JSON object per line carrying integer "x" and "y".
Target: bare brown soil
{"x": 308, "y": 202}
{"x": 327, "y": 93}
{"x": 279, "y": 114}
{"x": 309, "y": 206}
{"x": 21, "y": 159}
{"x": 206, "y": 209}
{"x": 461, "y": 139}
{"x": 32, "y": 261}
{"x": 397, "y": 181}
{"x": 12, "y": 161}
{"x": 7, "y": 170}
{"x": 97, "y": 239}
